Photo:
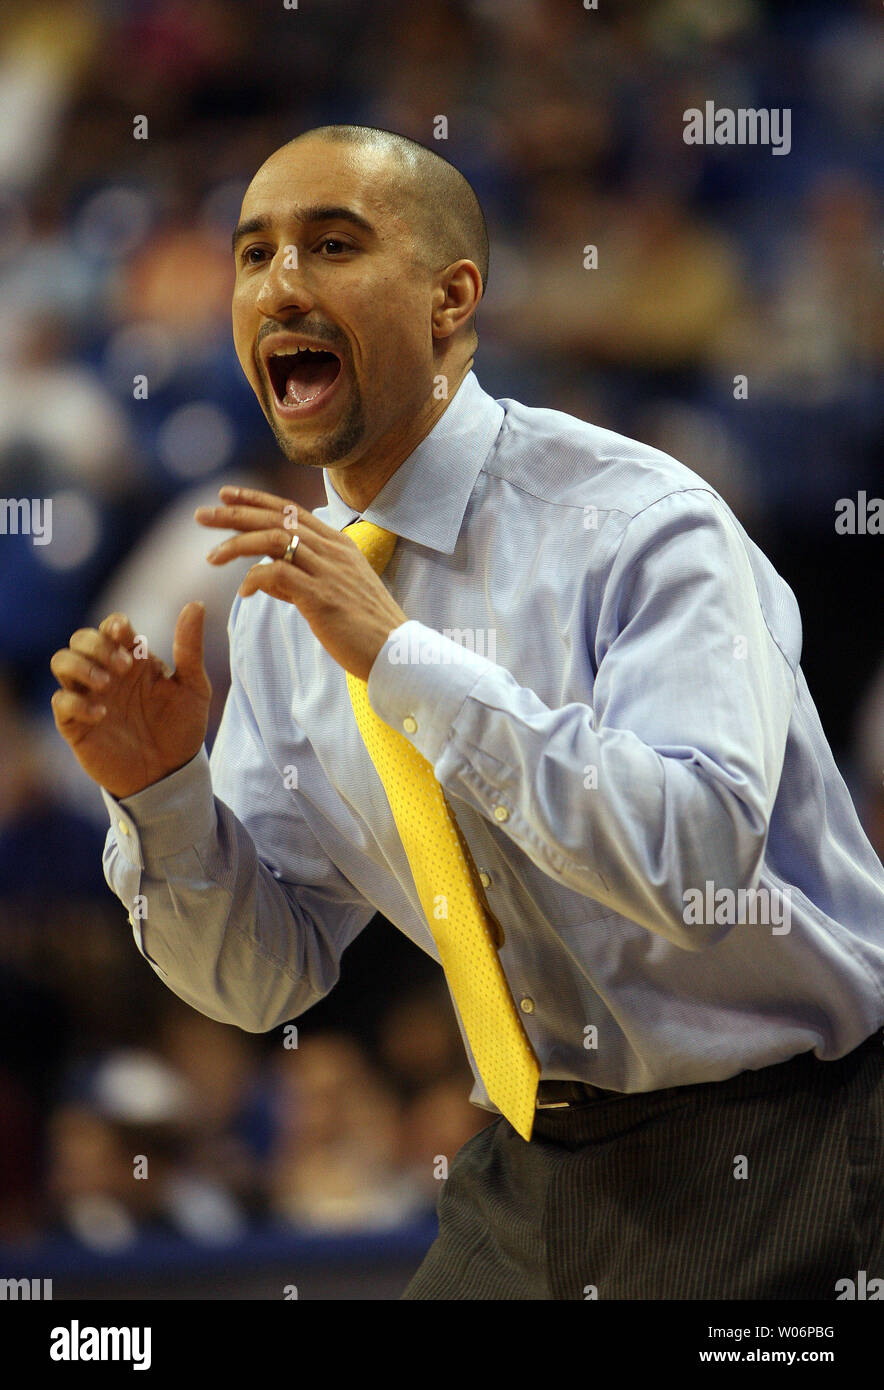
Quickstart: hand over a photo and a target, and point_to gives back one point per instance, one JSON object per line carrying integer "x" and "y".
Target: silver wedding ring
{"x": 289, "y": 552}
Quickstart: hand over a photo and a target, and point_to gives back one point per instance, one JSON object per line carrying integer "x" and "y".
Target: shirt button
{"x": 500, "y": 813}
{"x": 527, "y": 1005}
{"x": 122, "y": 827}
{"x": 484, "y": 878}
{"x": 409, "y": 724}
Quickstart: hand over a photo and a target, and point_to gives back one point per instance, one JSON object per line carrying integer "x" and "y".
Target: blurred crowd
{"x": 202, "y": 1130}
{"x": 121, "y": 400}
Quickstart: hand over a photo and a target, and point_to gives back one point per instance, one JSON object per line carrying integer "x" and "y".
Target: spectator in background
{"x": 231, "y": 1129}
{"x": 120, "y": 1159}
{"x": 664, "y": 282}
{"x": 422, "y": 1053}
{"x": 825, "y": 319}
{"x": 336, "y": 1161}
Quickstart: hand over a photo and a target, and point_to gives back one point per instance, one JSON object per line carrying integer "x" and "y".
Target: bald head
{"x": 444, "y": 212}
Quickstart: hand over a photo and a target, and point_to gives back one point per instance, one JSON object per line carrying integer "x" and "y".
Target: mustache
{"x": 321, "y": 334}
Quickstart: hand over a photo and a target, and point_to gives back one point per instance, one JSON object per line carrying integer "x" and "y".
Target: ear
{"x": 456, "y": 298}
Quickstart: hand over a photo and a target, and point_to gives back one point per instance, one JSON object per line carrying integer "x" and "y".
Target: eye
{"x": 335, "y": 242}
{"x": 251, "y": 255}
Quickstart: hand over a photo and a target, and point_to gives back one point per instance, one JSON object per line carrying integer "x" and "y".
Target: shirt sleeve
{"x": 243, "y": 916}
{"x": 667, "y": 779}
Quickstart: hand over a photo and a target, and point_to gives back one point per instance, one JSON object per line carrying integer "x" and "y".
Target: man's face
{"x": 324, "y": 256}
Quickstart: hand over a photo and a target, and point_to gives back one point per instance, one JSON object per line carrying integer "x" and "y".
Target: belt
{"x": 560, "y": 1095}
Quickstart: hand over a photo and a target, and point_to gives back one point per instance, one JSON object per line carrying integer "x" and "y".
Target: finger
{"x": 245, "y": 518}
{"x": 76, "y": 672}
{"x": 117, "y": 627}
{"x": 101, "y": 649}
{"x": 280, "y": 580}
{"x": 187, "y": 645}
{"x": 273, "y": 544}
{"x": 253, "y": 497}
{"x": 70, "y": 709}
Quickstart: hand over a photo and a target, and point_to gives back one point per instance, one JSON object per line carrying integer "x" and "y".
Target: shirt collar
{"x": 425, "y": 499}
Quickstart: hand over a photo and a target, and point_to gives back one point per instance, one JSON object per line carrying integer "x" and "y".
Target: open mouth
{"x": 301, "y": 376}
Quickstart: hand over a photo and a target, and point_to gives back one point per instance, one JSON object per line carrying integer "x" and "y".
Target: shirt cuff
{"x": 166, "y": 817}
{"x": 419, "y": 682}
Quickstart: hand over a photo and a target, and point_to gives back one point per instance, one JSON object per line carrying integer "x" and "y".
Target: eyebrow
{"x": 309, "y": 216}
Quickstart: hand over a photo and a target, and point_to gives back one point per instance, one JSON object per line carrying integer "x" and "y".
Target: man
{"x": 683, "y": 911}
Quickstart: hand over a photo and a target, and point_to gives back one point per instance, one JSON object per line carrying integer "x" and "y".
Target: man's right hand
{"x": 129, "y": 719}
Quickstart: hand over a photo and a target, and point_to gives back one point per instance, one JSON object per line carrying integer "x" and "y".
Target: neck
{"x": 359, "y": 482}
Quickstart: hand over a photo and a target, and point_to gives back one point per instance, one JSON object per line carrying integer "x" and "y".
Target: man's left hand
{"x": 329, "y": 580}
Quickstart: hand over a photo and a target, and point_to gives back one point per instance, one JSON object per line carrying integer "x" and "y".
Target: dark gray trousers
{"x": 641, "y": 1196}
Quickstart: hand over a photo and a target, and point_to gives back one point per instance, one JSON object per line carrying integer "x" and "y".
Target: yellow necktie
{"x": 451, "y": 895}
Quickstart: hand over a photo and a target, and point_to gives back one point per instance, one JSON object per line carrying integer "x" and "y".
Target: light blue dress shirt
{"x": 603, "y": 670}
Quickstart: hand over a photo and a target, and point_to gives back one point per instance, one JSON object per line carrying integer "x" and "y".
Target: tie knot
{"x": 376, "y": 543}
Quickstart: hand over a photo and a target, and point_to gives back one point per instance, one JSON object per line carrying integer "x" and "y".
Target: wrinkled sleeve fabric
{"x": 668, "y": 777}
{"x": 231, "y": 898}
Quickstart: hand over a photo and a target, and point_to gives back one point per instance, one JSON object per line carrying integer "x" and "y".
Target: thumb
{"x": 187, "y": 645}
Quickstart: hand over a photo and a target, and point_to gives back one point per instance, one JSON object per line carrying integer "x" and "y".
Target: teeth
{"x": 293, "y": 352}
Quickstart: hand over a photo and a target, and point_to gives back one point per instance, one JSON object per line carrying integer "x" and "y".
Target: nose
{"x": 283, "y": 288}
